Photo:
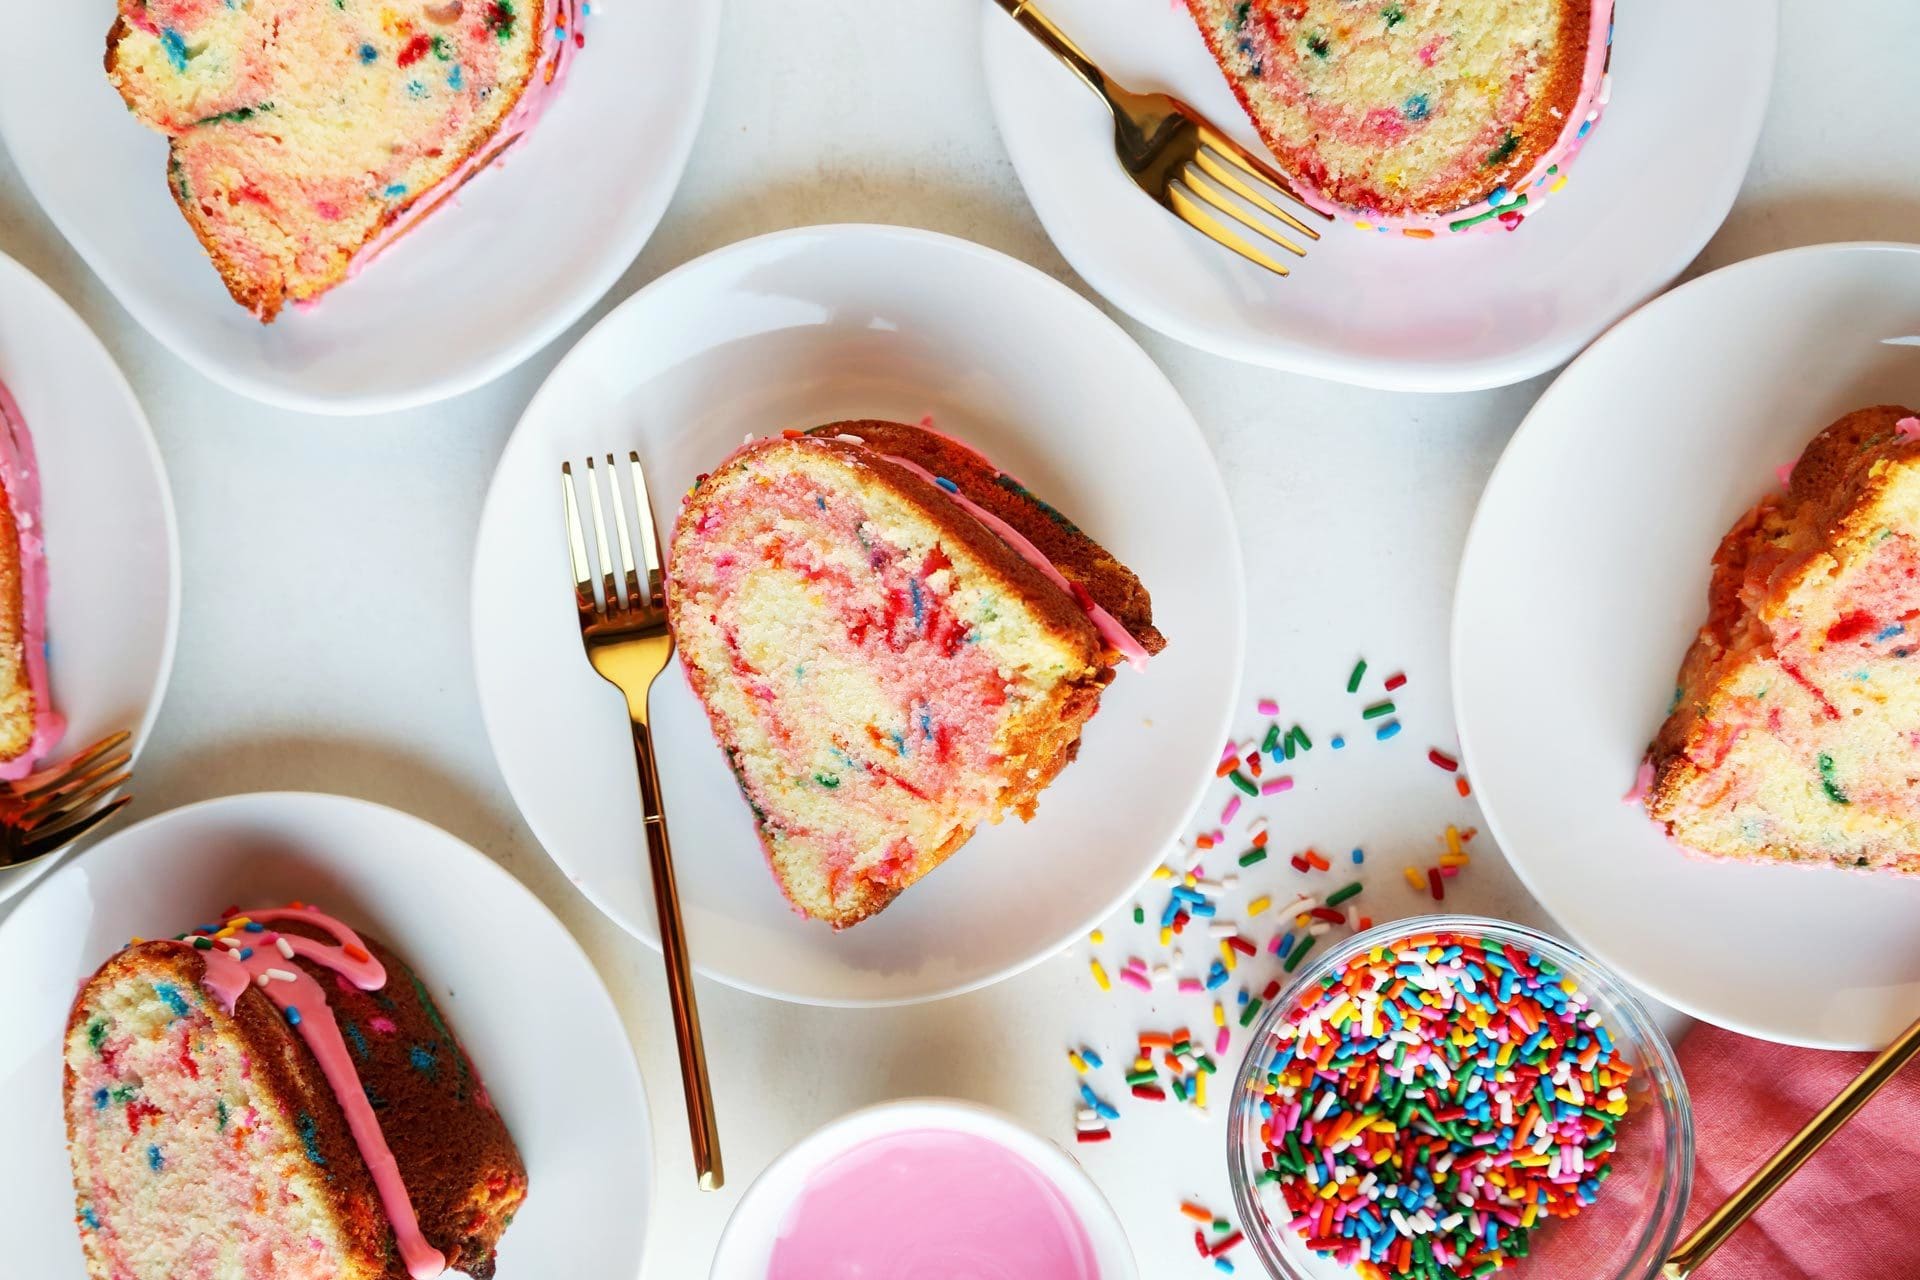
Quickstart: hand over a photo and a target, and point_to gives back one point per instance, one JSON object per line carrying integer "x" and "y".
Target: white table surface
{"x": 323, "y": 639}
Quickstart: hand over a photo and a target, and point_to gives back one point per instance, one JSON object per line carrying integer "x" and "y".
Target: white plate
{"x": 113, "y": 558}
{"x": 794, "y": 330}
{"x": 1690, "y": 85}
{"x": 1584, "y": 580}
{"x": 526, "y": 1002}
{"x": 746, "y": 1246}
{"x": 553, "y": 228}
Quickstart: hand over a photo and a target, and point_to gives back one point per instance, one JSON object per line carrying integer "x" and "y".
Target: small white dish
{"x": 515, "y": 258}
{"x": 799, "y": 329}
{"x": 1584, "y": 580}
{"x": 113, "y": 556}
{"x": 514, "y": 984}
{"x": 746, "y": 1245}
{"x": 1690, "y": 85}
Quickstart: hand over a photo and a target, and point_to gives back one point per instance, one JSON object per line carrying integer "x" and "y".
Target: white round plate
{"x": 746, "y": 1246}
{"x": 113, "y": 558}
{"x": 526, "y": 1002}
{"x": 1583, "y": 582}
{"x": 551, "y": 228}
{"x": 1690, "y": 84}
{"x": 814, "y": 326}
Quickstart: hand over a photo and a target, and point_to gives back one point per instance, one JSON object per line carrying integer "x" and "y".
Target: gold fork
{"x": 50, "y": 808}
{"x": 629, "y": 644}
{"x": 1176, "y": 156}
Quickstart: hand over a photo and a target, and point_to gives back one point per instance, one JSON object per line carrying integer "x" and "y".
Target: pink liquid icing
{"x": 20, "y": 474}
{"x": 290, "y": 987}
{"x": 933, "y": 1204}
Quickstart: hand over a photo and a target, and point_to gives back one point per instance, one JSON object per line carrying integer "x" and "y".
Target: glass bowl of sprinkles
{"x": 1450, "y": 1097}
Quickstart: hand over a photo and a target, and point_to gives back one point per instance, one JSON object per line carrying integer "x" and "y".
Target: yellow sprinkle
{"x": 1099, "y": 975}
{"x": 1191, "y": 880}
{"x": 1143, "y": 1064}
{"x": 1363, "y": 226}
{"x": 1096, "y": 937}
{"x": 1166, "y": 935}
{"x": 1453, "y": 840}
{"x": 1226, "y": 955}
{"x": 1219, "y": 1015}
{"x": 1079, "y": 1063}
{"x": 1258, "y": 905}
{"x": 1557, "y": 183}
{"x": 134, "y": 942}
{"x": 1199, "y": 1094}
{"x": 1413, "y": 878}
{"x": 1302, "y": 921}
{"x": 1453, "y": 859}
{"x": 1163, "y": 873}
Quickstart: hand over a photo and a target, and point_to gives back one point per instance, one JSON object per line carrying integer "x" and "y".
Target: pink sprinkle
{"x": 1192, "y": 984}
{"x": 1274, "y": 786}
{"x": 1220, "y": 1040}
{"x": 382, "y": 1024}
{"x": 1226, "y": 814}
{"x": 1133, "y": 977}
{"x": 1273, "y": 944}
{"x": 1429, "y": 51}
{"x": 1909, "y": 428}
{"x": 1231, "y": 753}
{"x": 1784, "y": 472}
{"x": 1268, "y": 707}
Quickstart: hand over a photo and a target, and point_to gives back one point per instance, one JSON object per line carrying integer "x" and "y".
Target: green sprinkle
{"x": 1272, "y": 740}
{"x": 1148, "y": 1076}
{"x": 1244, "y": 783}
{"x": 827, "y": 780}
{"x": 1139, "y": 915}
{"x": 203, "y": 944}
{"x": 1339, "y": 896}
{"x": 1300, "y": 736}
{"x": 1246, "y": 1014}
{"x": 97, "y": 1032}
{"x": 1504, "y": 152}
{"x": 1300, "y": 952}
{"x": 1203, "y": 1063}
{"x": 1377, "y": 710}
{"x": 1252, "y": 856}
{"x": 1179, "y": 1089}
{"x": 1463, "y": 224}
{"x": 1394, "y": 15}
{"x": 1318, "y": 45}
{"x": 1359, "y": 671}
{"x": 1827, "y": 784}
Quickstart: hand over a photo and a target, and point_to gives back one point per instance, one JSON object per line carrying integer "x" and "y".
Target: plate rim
{"x": 1376, "y": 373}
{"x": 623, "y": 250}
{"x": 1630, "y": 968}
{"x": 34, "y": 286}
{"x": 321, "y": 800}
{"x": 939, "y": 241}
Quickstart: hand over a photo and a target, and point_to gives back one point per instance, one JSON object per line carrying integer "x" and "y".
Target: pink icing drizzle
{"x": 20, "y": 474}
{"x": 1909, "y": 428}
{"x": 548, "y": 74}
{"x": 228, "y": 975}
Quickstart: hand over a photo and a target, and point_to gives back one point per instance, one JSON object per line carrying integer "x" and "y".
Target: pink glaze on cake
{"x": 20, "y": 475}
{"x": 232, "y": 966}
{"x": 933, "y": 1204}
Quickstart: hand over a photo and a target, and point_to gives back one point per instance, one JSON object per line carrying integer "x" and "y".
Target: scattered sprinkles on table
{"x": 1433, "y": 1102}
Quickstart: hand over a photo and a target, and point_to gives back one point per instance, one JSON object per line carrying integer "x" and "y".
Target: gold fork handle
{"x": 1721, "y": 1223}
{"x": 673, "y": 946}
{"x": 1041, "y": 28}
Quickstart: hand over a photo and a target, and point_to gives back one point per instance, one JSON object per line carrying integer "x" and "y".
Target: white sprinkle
{"x": 263, "y": 979}
{"x": 281, "y": 975}
{"x": 1223, "y": 929}
{"x": 1089, "y": 1121}
{"x": 286, "y": 948}
{"x": 1325, "y": 1105}
{"x": 1318, "y": 929}
{"x": 1086, "y": 1113}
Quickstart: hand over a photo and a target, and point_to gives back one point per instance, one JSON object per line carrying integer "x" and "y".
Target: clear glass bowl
{"x": 1633, "y": 1224}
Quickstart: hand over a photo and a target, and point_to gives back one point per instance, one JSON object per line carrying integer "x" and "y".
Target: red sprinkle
{"x": 355, "y": 952}
{"x": 1460, "y": 785}
{"x": 1433, "y": 883}
{"x": 1444, "y": 760}
{"x": 1328, "y": 914}
{"x": 1232, "y": 1239}
{"x": 1300, "y": 863}
{"x": 1150, "y": 1092}
{"x": 1093, "y": 1135}
{"x": 414, "y": 50}
{"x": 1244, "y": 947}
{"x": 1200, "y": 1243}
{"x": 1395, "y": 681}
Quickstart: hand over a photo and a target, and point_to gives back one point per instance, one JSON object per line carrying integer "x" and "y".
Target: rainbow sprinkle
{"x": 1432, "y": 1102}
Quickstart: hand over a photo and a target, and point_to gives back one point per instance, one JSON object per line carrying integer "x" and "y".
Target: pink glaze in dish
{"x": 20, "y": 474}
{"x": 933, "y": 1204}
{"x": 228, "y": 975}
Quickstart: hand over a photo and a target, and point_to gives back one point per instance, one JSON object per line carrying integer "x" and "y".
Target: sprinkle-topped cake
{"x": 308, "y": 134}
{"x": 275, "y": 1096}
{"x": 1421, "y": 116}
{"x": 895, "y": 642}
{"x": 1795, "y": 731}
{"x": 29, "y": 726}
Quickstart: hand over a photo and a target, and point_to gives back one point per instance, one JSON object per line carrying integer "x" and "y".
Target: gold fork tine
{"x": 1251, "y": 165}
{"x": 34, "y": 785}
{"x": 53, "y": 794}
{"x": 620, "y": 527}
{"x": 41, "y": 842}
{"x": 1197, "y": 218}
{"x": 54, "y": 815}
{"x": 1197, "y": 183}
{"x": 577, "y": 544}
{"x": 608, "y": 588}
{"x": 649, "y": 538}
{"x": 1211, "y": 167}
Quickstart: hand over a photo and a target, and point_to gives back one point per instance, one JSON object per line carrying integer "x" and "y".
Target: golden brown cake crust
{"x": 1773, "y": 548}
{"x": 461, "y": 1169}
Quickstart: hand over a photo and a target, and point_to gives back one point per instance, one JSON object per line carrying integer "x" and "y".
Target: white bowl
{"x": 746, "y": 1246}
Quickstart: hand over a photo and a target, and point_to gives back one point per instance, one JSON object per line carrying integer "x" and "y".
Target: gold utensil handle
{"x": 1722, "y": 1222}
{"x": 1041, "y": 28}
{"x": 673, "y": 946}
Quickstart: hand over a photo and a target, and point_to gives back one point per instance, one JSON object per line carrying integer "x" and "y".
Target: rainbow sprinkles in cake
{"x": 1418, "y": 116}
{"x": 261, "y": 1097}
{"x": 29, "y": 726}
{"x": 307, "y": 135}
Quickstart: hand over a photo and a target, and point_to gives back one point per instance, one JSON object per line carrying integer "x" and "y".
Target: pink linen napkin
{"x": 1849, "y": 1211}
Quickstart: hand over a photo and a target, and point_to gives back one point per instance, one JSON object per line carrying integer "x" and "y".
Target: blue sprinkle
{"x": 919, "y": 604}
{"x": 559, "y": 33}
{"x": 422, "y": 1058}
{"x": 1221, "y": 1264}
{"x": 1092, "y": 1059}
{"x": 457, "y": 79}
{"x": 99, "y": 1099}
{"x": 310, "y": 1135}
{"x": 1359, "y": 856}
{"x": 171, "y": 997}
{"x": 246, "y": 953}
{"x": 1496, "y": 197}
{"x": 1241, "y": 998}
{"x": 255, "y": 927}
{"x": 154, "y": 1158}
{"x": 88, "y": 1216}
{"x": 359, "y": 1040}
{"x": 176, "y": 48}
{"x": 820, "y": 503}
{"x": 946, "y": 484}
{"x": 899, "y": 742}
{"x": 396, "y": 190}
{"x": 1585, "y": 126}
{"x": 1892, "y": 631}
{"x": 1203, "y": 909}
{"x": 926, "y": 724}
{"x": 293, "y": 1016}
{"x": 368, "y": 53}
{"x": 1416, "y": 107}
{"x": 1338, "y": 742}
{"x": 415, "y": 89}
{"x": 1387, "y": 730}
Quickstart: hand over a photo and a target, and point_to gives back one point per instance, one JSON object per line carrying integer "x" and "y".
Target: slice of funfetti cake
{"x": 894, "y": 643}
{"x": 306, "y": 134}
{"x": 1795, "y": 731}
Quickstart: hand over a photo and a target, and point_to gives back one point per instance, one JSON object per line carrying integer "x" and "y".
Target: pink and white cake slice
{"x": 29, "y": 726}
